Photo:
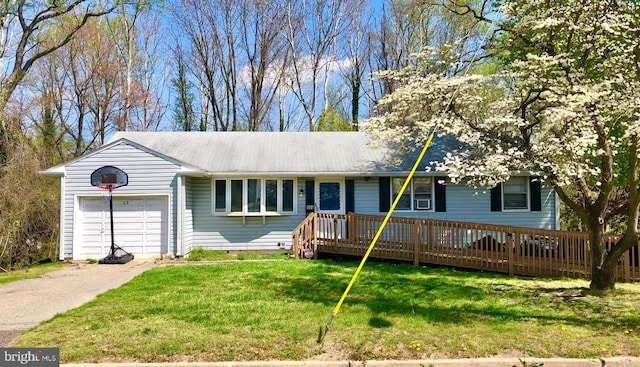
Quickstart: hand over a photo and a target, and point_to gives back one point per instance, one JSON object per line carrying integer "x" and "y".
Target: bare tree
{"x": 211, "y": 30}
{"x": 357, "y": 46}
{"x": 407, "y": 27}
{"x": 148, "y": 96}
{"x": 23, "y": 25}
{"x": 104, "y": 97}
{"x": 90, "y": 96}
{"x": 82, "y": 83}
{"x": 312, "y": 34}
{"x": 183, "y": 109}
{"x": 265, "y": 52}
{"x": 46, "y": 113}
{"x": 137, "y": 36}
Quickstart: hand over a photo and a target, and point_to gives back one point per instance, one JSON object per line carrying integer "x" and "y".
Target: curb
{"x": 477, "y": 362}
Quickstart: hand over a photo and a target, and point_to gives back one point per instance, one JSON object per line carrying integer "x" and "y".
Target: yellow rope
{"x": 375, "y": 238}
{"x": 395, "y": 203}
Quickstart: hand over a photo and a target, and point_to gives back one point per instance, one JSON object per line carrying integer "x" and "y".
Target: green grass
{"x": 35, "y": 271}
{"x": 200, "y": 254}
{"x": 275, "y": 310}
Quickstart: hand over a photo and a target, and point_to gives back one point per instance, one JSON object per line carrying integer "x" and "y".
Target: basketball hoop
{"x": 106, "y": 189}
{"x": 106, "y": 179}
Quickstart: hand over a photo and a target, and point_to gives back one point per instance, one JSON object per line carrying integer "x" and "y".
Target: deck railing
{"x": 504, "y": 249}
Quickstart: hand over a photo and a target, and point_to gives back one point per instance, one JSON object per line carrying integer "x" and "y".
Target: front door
{"x": 330, "y": 199}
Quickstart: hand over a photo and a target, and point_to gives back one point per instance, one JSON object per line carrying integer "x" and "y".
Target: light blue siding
{"x": 187, "y": 216}
{"x": 155, "y": 174}
{"x": 464, "y": 204}
{"x": 149, "y": 174}
{"x": 219, "y": 232}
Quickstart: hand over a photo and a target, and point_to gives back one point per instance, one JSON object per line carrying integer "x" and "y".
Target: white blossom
{"x": 548, "y": 112}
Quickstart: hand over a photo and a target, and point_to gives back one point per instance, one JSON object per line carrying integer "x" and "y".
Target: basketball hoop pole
{"x": 113, "y": 243}
{"x": 107, "y": 194}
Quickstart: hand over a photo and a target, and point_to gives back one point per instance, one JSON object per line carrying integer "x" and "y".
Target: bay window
{"x": 253, "y": 196}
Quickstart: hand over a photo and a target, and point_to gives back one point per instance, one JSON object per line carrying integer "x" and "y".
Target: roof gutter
{"x": 319, "y": 174}
{"x": 52, "y": 173}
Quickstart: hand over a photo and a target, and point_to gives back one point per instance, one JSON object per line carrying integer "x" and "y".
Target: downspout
{"x": 557, "y": 209}
{"x": 179, "y": 226}
{"x": 63, "y": 220}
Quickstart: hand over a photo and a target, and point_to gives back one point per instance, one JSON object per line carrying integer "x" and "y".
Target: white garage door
{"x": 139, "y": 224}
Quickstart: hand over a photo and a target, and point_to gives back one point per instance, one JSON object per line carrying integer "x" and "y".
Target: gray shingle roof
{"x": 276, "y": 153}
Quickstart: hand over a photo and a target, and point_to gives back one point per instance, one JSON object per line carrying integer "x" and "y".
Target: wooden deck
{"x": 503, "y": 249}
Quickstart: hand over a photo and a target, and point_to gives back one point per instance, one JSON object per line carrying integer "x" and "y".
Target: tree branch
{"x": 606, "y": 161}
{"x": 21, "y": 66}
{"x": 579, "y": 209}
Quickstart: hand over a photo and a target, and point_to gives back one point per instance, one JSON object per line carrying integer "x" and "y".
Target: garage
{"x": 140, "y": 226}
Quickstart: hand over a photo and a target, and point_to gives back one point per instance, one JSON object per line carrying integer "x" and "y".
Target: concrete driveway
{"x": 26, "y": 303}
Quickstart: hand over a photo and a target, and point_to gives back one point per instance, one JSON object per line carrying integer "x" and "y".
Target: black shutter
{"x": 309, "y": 192}
{"x": 441, "y": 194}
{"x": 496, "y": 198}
{"x": 349, "y": 196}
{"x": 536, "y": 194}
{"x": 384, "y": 184}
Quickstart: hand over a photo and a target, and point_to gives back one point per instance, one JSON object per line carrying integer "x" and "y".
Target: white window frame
{"x": 527, "y": 194}
{"x": 341, "y": 182}
{"x": 245, "y": 196}
{"x": 411, "y": 190}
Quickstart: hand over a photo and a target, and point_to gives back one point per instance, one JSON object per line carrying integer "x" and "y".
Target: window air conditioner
{"x": 423, "y": 204}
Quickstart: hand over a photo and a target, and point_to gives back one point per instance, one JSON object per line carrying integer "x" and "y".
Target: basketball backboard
{"x": 109, "y": 175}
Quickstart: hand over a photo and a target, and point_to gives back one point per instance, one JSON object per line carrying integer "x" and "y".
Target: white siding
{"x": 149, "y": 174}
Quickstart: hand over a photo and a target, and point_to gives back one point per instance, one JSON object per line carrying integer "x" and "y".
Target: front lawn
{"x": 200, "y": 254}
{"x": 275, "y": 310}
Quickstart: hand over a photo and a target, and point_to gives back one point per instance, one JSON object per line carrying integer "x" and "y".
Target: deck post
{"x": 416, "y": 242}
{"x": 314, "y": 235}
{"x": 335, "y": 233}
{"x": 510, "y": 249}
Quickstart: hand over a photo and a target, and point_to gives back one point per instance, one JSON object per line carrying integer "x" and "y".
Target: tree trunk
{"x": 604, "y": 277}
{"x": 355, "y": 97}
{"x": 4, "y": 144}
{"x": 603, "y": 270}
{"x": 4, "y": 131}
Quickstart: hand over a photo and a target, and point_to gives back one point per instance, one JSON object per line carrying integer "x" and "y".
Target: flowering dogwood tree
{"x": 563, "y": 104}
